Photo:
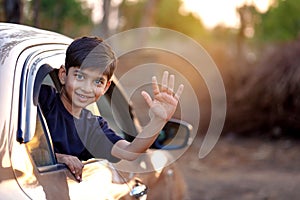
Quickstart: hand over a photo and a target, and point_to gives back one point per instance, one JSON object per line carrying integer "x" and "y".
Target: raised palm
{"x": 165, "y": 100}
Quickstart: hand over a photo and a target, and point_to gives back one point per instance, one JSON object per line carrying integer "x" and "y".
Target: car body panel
{"x": 19, "y": 47}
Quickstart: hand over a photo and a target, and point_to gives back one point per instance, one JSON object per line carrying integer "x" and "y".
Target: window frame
{"x": 29, "y": 112}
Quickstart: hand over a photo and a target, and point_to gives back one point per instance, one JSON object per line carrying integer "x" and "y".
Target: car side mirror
{"x": 174, "y": 135}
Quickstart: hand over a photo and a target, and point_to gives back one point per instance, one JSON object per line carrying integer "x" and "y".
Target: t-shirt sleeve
{"x": 102, "y": 140}
{"x": 110, "y": 134}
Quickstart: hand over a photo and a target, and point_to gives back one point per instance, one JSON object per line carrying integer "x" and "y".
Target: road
{"x": 242, "y": 169}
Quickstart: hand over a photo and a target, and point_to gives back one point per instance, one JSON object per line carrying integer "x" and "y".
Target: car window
{"x": 32, "y": 127}
{"x": 106, "y": 112}
{"x": 39, "y": 146}
{"x": 117, "y": 111}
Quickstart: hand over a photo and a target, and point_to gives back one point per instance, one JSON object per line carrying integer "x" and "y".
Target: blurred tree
{"x": 65, "y": 16}
{"x": 104, "y": 28}
{"x": 246, "y": 30}
{"x": 13, "y": 10}
{"x": 168, "y": 16}
{"x": 162, "y": 13}
{"x": 269, "y": 100}
{"x": 280, "y": 23}
{"x": 130, "y": 14}
{"x": 36, "y": 7}
{"x": 149, "y": 11}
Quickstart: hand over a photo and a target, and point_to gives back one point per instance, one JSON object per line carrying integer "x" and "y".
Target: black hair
{"x": 91, "y": 52}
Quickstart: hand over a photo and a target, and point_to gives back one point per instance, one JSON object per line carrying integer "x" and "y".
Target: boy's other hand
{"x": 73, "y": 163}
{"x": 165, "y": 100}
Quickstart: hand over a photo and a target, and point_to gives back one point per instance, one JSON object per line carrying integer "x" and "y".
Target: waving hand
{"x": 165, "y": 101}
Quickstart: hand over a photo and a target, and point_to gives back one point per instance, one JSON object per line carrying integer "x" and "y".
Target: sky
{"x": 211, "y": 12}
{"x": 214, "y": 12}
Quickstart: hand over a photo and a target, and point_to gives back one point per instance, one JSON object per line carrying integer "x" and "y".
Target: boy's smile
{"x": 81, "y": 88}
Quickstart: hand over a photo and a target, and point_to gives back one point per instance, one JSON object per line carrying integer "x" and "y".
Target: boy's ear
{"x": 107, "y": 86}
{"x": 62, "y": 74}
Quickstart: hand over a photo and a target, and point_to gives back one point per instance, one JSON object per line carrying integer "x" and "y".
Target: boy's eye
{"x": 79, "y": 76}
{"x": 99, "y": 82}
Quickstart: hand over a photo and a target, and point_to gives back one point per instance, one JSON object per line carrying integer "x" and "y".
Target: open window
{"x": 117, "y": 111}
{"x": 40, "y": 145}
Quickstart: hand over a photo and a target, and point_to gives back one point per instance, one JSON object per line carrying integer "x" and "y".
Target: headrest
{"x": 44, "y": 70}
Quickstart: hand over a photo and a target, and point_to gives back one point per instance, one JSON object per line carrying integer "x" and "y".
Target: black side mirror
{"x": 174, "y": 135}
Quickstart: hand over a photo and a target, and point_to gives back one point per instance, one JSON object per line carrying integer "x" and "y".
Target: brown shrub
{"x": 269, "y": 100}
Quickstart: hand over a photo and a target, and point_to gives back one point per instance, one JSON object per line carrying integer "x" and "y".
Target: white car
{"x": 28, "y": 167}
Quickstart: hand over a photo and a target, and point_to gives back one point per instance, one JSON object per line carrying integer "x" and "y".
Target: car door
{"x": 31, "y": 151}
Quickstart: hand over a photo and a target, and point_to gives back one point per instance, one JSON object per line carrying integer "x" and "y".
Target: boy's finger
{"x": 155, "y": 87}
{"x": 147, "y": 98}
{"x": 71, "y": 167}
{"x": 179, "y": 92}
{"x": 164, "y": 82}
{"x": 171, "y": 84}
{"x": 78, "y": 175}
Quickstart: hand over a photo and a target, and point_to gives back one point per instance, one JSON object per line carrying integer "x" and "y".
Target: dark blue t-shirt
{"x": 86, "y": 137}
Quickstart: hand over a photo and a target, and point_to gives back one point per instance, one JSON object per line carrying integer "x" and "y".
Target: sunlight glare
{"x": 215, "y": 12}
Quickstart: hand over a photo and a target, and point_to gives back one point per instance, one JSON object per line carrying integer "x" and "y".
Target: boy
{"x": 79, "y": 135}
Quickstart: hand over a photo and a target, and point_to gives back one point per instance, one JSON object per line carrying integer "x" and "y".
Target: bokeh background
{"x": 255, "y": 45}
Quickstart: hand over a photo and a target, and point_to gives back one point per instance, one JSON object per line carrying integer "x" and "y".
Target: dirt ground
{"x": 243, "y": 168}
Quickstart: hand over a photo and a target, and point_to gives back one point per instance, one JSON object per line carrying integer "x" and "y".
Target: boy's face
{"x": 82, "y": 87}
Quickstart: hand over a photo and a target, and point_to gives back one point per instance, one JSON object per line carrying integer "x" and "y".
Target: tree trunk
{"x": 13, "y": 10}
{"x": 36, "y": 8}
{"x": 147, "y": 19}
{"x": 149, "y": 13}
{"x": 104, "y": 29}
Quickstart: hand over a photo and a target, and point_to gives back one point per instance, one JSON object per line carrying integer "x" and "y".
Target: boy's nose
{"x": 87, "y": 86}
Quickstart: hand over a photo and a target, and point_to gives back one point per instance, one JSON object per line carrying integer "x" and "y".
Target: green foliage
{"x": 166, "y": 15}
{"x": 281, "y": 22}
{"x": 65, "y": 16}
{"x": 131, "y": 12}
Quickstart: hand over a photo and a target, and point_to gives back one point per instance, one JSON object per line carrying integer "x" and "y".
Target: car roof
{"x": 20, "y": 32}
{"x": 12, "y": 35}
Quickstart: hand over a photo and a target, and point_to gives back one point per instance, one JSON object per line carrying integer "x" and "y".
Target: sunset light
{"x": 211, "y": 13}
{"x": 215, "y": 12}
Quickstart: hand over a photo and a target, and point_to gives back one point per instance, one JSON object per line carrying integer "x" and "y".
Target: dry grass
{"x": 269, "y": 100}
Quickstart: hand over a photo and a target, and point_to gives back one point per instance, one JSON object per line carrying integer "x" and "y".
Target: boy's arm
{"x": 162, "y": 107}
